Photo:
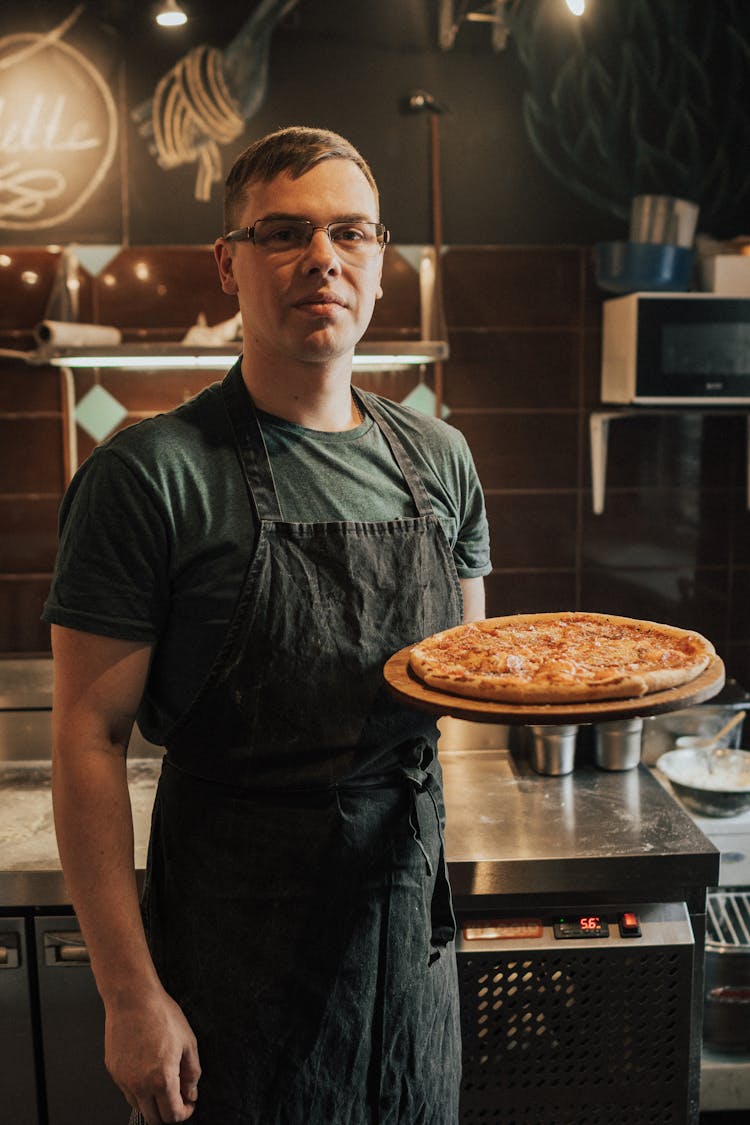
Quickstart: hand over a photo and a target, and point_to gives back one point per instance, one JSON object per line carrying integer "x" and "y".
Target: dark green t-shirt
{"x": 157, "y": 528}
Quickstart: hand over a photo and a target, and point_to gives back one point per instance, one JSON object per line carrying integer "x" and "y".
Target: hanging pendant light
{"x": 577, "y": 7}
{"x": 170, "y": 14}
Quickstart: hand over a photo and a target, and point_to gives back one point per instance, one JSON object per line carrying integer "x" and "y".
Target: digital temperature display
{"x": 581, "y": 926}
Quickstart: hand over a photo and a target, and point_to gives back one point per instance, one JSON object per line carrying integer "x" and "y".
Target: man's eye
{"x": 284, "y": 236}
{"x": 349, "y": 234}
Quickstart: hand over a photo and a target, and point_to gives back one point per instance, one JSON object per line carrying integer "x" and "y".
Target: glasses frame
{"x": 247, "y": 234}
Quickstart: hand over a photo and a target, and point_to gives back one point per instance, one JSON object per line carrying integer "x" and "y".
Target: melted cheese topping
{"x": 563, "y": 650}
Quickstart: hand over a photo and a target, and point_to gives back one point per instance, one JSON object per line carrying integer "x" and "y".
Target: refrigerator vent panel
{"x": 561, "y": 1038}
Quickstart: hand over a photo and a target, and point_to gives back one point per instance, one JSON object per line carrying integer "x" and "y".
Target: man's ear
{"x": 224, "y": 264}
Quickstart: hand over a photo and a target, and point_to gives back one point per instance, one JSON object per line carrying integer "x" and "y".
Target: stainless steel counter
{"x": 511, "y": 831}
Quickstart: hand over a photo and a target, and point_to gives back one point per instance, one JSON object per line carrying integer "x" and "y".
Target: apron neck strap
{"x": 414, "y": 482}
{"x": 251, "y": 446}
{"x": 256, "y": 463}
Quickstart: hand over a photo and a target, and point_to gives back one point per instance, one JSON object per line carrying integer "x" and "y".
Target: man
{"x": 235, "y": 573}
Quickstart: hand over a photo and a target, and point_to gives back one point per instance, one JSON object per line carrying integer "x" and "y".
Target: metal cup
{"x": 663, "y": 218}
{"x": 553, "y": 749}
{"x": 617, "y": 745}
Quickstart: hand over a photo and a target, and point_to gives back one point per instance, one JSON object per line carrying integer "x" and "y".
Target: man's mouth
{"x": 320, "y": 301}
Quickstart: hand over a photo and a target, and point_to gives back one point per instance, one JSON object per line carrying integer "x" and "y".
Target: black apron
{"x": 296, "y": 899}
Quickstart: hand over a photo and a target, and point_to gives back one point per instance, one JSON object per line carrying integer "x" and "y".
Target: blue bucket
{"x": 630, "y": 267}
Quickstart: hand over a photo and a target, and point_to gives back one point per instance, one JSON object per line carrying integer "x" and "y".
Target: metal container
{"x": 660, "y": 732}
{"x": 617, "y": 744}
{"x": 553, "y": 749}
{"x": 718, "y": 789}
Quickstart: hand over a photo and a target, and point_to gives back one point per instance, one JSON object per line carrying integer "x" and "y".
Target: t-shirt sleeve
{"x": 471, "y": 552}
{"x": 111, "y": 573}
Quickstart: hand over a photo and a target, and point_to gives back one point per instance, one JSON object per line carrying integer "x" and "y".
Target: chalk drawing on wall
{"x": 207, "y": 98}
{"x": 58, "y": 128}
{"x": 641, "y": 96}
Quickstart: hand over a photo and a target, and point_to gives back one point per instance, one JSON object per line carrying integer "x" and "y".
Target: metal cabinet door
{"x": 18, "y": 1094}
{"x": 78, "y": 1086}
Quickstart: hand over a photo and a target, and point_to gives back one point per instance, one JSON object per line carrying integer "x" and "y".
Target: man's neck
{"x": 317, "y": 396}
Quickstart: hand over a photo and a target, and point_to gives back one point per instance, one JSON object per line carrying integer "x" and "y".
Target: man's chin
{"x": 326, "y": 347}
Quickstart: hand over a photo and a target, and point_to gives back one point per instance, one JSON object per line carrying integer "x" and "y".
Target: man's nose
{"x": 321, "y": 253}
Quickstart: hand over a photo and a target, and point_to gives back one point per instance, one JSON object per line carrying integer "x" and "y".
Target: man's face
{"x": 311, "y": 305}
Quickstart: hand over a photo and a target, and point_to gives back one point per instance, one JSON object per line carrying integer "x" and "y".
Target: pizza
{"x": 571, "y": 657}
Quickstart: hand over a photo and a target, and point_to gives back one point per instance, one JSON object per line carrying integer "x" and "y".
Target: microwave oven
{"x": 676, "y": 348}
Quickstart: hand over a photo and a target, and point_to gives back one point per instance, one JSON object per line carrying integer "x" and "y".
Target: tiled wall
{"x": 673, "y": 542}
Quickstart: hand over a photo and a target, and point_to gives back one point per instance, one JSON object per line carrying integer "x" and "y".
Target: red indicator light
{"x": 629, "y": 924}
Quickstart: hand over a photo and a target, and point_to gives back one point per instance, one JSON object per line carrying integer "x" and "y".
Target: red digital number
{"x": 589, "y": 923}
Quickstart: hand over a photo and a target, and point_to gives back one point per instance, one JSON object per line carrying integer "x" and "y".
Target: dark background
{"x": 542, "y": 146}
{"x": 640, "y": 95}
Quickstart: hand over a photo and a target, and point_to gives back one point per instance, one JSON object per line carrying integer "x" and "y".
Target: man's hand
{"x": 152, "y": 1055}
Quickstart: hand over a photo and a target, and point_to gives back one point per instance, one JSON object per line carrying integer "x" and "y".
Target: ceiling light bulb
{"x": 577, "y": 7}
{"x": 170, "y": 14}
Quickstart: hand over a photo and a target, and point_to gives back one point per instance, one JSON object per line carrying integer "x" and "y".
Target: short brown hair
{"x": 295, "y": 149}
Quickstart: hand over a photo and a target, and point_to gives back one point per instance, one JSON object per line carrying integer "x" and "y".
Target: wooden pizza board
{"x": 409, "y": 689}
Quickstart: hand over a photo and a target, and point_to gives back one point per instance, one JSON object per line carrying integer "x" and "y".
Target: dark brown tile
{"x": 687, "y": 598}
{"x": 394, "y": 385}
{"x": 536, "y": 450}
{"x": 26, "y": 279}
{"x": 399, "y": 306}
{"x": 739, "y": 616}
{"x": 591, "y": 358}
{"x": 28, "y": 534}
{"x": 737, "y": 662}
{"x": 161, "y": 287}
{"x": 29, "y": 390}
{"x": 509, "y": 287}
{"x": 499, "y": 369}
{"x": 533, "y": 530}
{"x": 593, "y": 296}
{"x": 151, "y": 392}
{"x": 673, "y": 449}
{"x": 18, "y": 340}
{"x": 541, "y": 591}
{"x": 31, "y": 455}
{"x": 21, "y": 602}
{"x": 740, "y": 527}
{"x": 657, "y": 527}
{"x": 86, "y": 446}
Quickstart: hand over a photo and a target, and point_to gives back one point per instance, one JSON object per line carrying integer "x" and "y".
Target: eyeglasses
{"x": 355, "y": 239}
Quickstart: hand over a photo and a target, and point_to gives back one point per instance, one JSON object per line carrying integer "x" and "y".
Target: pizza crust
{"x": 567, "y": 657}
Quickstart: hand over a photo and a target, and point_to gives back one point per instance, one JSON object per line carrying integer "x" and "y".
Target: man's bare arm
{"x": 473, "y": 595}
{"x": 150, "y": 1048}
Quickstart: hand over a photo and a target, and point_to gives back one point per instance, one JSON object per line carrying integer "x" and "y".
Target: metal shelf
{"x": 374, "y": 356}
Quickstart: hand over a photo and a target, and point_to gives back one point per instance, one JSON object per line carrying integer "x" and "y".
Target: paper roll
{"x": 69, "y": 334}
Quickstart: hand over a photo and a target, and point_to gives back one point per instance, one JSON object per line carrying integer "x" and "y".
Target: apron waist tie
{"x": 441, "y": 910}
{"x": 420, "y": 782}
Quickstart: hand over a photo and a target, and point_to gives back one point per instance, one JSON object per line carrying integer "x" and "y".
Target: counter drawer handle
{"x": 9, "y": 951}
{"x": 66, "y": 948}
